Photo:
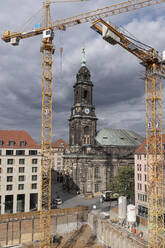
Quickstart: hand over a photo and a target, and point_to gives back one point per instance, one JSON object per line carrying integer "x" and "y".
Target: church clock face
{"x": 86, "y": 111}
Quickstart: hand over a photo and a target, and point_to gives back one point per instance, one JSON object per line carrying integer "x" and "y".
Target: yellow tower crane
{"x": 155, "y": 70}
{"x": 47, "y": 49}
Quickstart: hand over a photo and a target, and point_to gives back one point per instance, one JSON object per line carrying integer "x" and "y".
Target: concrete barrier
{"x": 111, "y": 234}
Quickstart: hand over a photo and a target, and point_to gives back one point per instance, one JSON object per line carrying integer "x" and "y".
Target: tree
{"x": 123, "y": 184}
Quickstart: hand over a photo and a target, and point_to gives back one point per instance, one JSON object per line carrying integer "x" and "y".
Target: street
{"x": 71, "y": 200}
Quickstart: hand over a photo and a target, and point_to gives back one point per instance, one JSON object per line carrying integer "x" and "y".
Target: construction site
{"x": 82, "y": 226}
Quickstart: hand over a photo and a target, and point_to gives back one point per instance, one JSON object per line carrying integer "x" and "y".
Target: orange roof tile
{"x": 17, "y": 136}
{"x": 141, "y": 148}
{"x": 59, "y": 143}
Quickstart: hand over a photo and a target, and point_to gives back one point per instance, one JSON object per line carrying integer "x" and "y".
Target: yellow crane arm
{"x": 113, "y": 35}
{"x": 114, "y": 9}
{"x": 90, "y": 16}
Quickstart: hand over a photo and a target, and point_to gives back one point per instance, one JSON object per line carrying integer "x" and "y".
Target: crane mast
{"x": 154, "y": 72}
{"x": 47, "y": 50}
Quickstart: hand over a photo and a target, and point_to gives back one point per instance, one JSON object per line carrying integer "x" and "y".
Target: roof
{"x": 141, "y": 148}
{"x": 59, "y": 143}
{"x": 118, "y": 137}
{"x": 17, "y": 136}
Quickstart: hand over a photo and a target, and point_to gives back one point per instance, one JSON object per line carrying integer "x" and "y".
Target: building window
{"x": 139, "y": 186}
{"x": 0, "y": 170}
{"x": 85, "y": 94}
{"x": 145, "y": 156}
{"x": 0, "y": 152}
{"x": 20, "y": 186}
{"x": 145, "y": 167}
{"x": 58, "y": 163}
{"x": 1, "y": 142}
{"x": 9, "y": 170}
{"x": 96, "y": 187}
{"x": 145, "y": 187}
{"x": 139, "y": 177}
{"x": 9, "y": 187}
{"x": 145, "y": 177}
{"x": 34, "y": 161}
{"x": 145, "y": 198}
{"x": 0, "y": 160}
{"x": 21, "y": 178}
{"x": 21, "y": 169}
{"x": 34, "y": 169}
{"x": 9, "y": 152}
{"x": 34, "y": 186}
{"x": 22, "y": 143}
{"x": 9, "y": 178}
{"x": 21, "y": 161}
{"x": 140, "y": 167}
{"x": 139, "y": 156}
{"x": 32, "y": 152}
{"x": 34, "y": 177}
{"x": 86, "y": 130}
{"x": 96, "y": 172}
{"x": 11, "y": 143}
{"x": 10, "y": 161}
{"x": 20, "y": 152}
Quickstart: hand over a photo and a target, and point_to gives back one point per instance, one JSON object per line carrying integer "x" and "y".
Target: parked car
{"x": 58, "y": 201}
{"x": 108, "y": 196}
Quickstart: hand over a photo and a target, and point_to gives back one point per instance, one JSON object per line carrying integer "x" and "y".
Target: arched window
{"x": 85, "y": 94}
{"x": 86, "y": 130}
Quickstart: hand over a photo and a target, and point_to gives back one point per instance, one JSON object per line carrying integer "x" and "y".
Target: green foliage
{"x": 123, "y": 184}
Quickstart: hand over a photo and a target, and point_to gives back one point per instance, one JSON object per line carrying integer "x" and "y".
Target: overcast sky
{"x": 118, "y": 88}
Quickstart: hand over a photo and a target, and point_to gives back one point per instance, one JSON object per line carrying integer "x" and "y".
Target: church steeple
{"x": 83, "y": 120}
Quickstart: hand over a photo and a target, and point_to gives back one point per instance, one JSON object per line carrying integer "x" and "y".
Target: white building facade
{"x": 141, "y": 179}
{"x": 20, "y": 172}
{"x": 58, "y": 149}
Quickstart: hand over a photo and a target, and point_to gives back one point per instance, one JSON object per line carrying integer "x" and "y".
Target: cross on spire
{"x": 83, "y": 57}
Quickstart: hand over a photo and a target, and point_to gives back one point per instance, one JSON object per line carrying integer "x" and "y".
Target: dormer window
{"x": 22, "y": 143}
{"x": 1, "y": 142}
{"x": 11, "y": 142}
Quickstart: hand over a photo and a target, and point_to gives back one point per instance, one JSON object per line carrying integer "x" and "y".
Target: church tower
{"x": 83, "y": 121}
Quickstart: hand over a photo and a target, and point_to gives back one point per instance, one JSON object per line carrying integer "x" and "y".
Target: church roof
{"x": 118, "y": 137}
{"x": 59, "y": 143}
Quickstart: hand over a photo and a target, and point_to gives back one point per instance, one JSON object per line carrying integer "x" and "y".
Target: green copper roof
{"x": 118, "y": 137}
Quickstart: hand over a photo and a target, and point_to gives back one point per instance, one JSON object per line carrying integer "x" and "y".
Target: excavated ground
{"x": 82, "y": 238}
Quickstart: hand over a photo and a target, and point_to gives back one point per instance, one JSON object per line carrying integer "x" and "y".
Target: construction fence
{"x": 25, "y": 227}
